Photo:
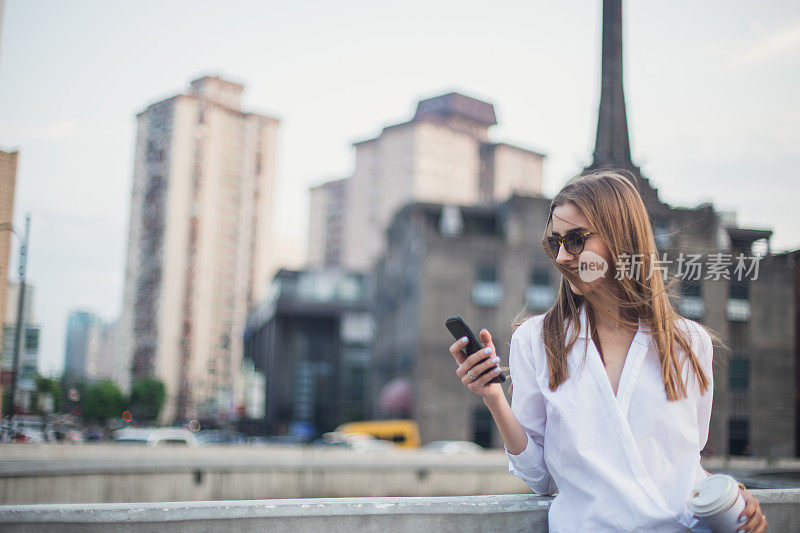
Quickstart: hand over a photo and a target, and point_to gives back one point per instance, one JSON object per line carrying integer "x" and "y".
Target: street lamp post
{"x": 23, "y": 260}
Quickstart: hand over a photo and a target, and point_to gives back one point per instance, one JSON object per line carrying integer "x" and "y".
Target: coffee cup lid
{"x": 713, "y": 494}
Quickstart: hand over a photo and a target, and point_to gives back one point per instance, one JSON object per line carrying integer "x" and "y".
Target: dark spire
{"x": 612, "y": 147}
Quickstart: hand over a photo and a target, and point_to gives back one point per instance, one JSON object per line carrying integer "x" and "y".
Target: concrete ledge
{"x": 500, "y": 513}
{"x": 464, "y": 514}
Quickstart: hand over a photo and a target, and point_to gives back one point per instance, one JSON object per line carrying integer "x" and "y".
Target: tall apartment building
{"x": 441, "y": 155}
{"x": 199, "y": 249}
{"x": 8, "y": 184}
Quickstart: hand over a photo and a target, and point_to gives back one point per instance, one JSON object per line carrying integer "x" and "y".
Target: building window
{"x": 662, "y": 236}
{"x": 540, "y": 294}
{"x": 738, "y": 290}
{"x": 739, "y": 374}
{"x": 691, "y": 287}
{"x": 738, "y": 308}
{"x": 739, "y": 436}
{"x": 487, "y": 291}
{"x": 691, "y": 299}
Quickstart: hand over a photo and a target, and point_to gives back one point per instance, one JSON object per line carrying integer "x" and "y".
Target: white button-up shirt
{"x": 619, "y": 463}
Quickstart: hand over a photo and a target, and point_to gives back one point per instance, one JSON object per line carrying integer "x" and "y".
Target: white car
{"x": 452, "y": 447}
{"x": 155, "y": 436}
{"x": 372, "y": 445}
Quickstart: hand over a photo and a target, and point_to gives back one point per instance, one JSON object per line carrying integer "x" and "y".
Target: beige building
{"x": 8, "y": 184}
{"x": 199, "y": 251}
{"x": 442, "y": 155}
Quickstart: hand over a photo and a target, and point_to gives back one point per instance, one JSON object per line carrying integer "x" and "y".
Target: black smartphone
{"x": 458, "y": 328}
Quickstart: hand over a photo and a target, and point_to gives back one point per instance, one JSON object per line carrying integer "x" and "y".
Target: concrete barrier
{"x": 463, "y": 514}
{"x": 120, "y": 474}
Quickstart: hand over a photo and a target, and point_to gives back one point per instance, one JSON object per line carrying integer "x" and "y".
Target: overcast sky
{"x": 711, "y": 90}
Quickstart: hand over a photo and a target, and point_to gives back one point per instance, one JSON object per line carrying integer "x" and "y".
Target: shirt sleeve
{"x": 705, "y": 355}
{"x": 528, "y": 405}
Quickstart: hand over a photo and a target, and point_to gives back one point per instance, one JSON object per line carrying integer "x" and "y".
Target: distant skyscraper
{"x": 326, "y": 223}
{"x": 442, "y": 155}
{"x": 86, "y": 354}
{"x": 199, "y": 248}
{"x": 8, "y": 184}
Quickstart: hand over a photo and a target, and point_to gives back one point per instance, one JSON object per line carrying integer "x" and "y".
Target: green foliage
{"x": 147, "y": 398}
{"x": 51, "y": 386}
{"x": 103, "y": 401}
{"x": 6, "y": 401}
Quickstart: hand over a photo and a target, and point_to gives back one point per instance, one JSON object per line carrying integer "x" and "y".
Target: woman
{"x": 612, "y": 389}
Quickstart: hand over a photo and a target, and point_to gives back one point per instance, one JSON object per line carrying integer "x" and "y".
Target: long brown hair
{"x": 614, "y": 208}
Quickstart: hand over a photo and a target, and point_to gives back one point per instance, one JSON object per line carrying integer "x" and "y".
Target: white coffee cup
{"x": 717, "y": 501}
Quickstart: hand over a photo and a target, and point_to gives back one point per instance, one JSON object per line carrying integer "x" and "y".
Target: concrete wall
{"x": 95, "y": 474}
{"x": 463, "y": 514}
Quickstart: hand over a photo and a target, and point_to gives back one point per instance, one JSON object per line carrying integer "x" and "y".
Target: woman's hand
{"x": 470, "y": 369}
{"x": 755, "y": 521}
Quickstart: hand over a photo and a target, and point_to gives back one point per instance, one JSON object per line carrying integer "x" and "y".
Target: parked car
{"x": 155, "y": 436}
{"x": 404, "y": 433}
{"x": 276, "y": 440}
{"x": 452, "y": 447}
{"x": 210, "y": 437}
{"x": 25, "y": 428}
{"x": 372, "y": 444}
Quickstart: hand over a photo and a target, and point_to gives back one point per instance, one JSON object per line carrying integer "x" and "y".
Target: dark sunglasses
{"x": 573, "y": 241}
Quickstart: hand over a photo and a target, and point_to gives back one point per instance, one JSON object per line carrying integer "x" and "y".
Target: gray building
{"x": 485, "y": 264}
{"x": 306, "y": 353}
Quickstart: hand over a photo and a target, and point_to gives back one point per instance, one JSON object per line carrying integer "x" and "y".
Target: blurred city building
{"x": 307, "y": 351}
{"x": 8, "y": 185}
{"x": 441, "y": 155}
{"x": 327, "y": 210}
{"x": 88, "y": 353}
{"x": 199, "y": 246}
{"x": 28, "y": 349}
{"x": 486, "y": 264}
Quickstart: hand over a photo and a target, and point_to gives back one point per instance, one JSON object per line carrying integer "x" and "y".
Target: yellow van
{"x": 404, "y": 433}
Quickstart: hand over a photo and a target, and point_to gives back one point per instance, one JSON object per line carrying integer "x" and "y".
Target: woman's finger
{"x": 763, "y": 525}
{"x": 484, "y": 365}
{"x": 752, "y": 510}
{"x": 478, "y": 357}
{"x": 753, "y": 522}
{"x": 486, "y": 338}
{"x": 483, "y": 380}
{"x": 456, "y": 350}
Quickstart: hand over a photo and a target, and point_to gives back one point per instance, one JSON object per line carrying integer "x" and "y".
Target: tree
{"x": 103, "y": 401}
{"x": 147, "y": 398}
{"x": 49, "y": 386}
